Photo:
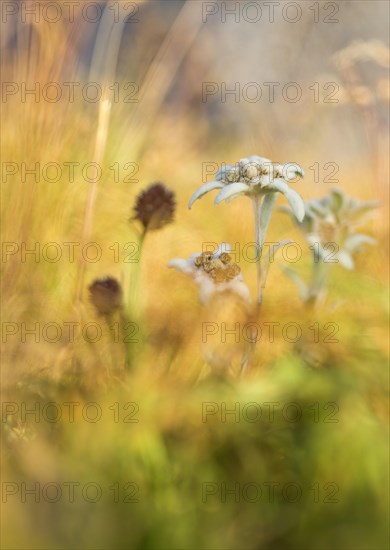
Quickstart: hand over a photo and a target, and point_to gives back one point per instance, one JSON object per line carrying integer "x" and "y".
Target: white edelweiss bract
{"x": 254, "y": 176}
{"x": 332, "y": 220}
{"x": 231, "y": 191}
{"x": 186, "y": 266}
{"x": 340, "y": 256}
{"x": 207, "y": 281}
{"x": 210, "y": 186}
{"x": 294, "y": 199}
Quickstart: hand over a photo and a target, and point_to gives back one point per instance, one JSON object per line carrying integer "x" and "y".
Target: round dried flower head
{"x": 218, "y": 274}
{"x": 212, "y": 264}
{"x": 225, "y": 258}
{"x": 229, "y": 173}
{"x": 198, "y": 261}
{"x": 219, "y": 266}
{"x": 106, "y": 295}
{"x": 232, "y": 270}
{"x": 249, "y": 172}
{"x": 155, "y": 207}
{"x": 208, "y": 267}
{"x": 203, "y": 258}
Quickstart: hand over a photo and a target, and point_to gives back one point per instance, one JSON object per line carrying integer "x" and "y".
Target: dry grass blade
{"x": 160, "y": 75}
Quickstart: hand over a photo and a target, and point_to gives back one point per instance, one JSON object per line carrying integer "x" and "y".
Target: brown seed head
{"x": 155, "y": 207}
{"x": 106, "y": 295}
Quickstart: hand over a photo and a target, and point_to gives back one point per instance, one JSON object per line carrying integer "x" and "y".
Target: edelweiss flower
{"x": 255, "y": 177}
{"x": 213, "y": 272}
{"x": 333, "y": 220}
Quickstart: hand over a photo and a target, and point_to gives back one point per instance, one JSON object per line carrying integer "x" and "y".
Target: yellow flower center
{"x": 220, "y": 269}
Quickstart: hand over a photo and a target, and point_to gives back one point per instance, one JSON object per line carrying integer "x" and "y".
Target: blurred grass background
{"x": 169, "y": 133}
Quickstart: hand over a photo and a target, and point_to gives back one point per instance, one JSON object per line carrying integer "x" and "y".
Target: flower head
{"x": 213, "y": 272}
{"x": 254, "y": 176}
{"x": 106, "y": 295}
{"x": 155, "y": 207}
{"x": 334, "y": 219}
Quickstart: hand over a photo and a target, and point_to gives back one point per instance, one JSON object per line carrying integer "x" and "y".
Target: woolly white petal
{"x": 210, "y": 186}
{"x": 296, "y": 202}
{"x": 240, "y": 288}
{"x": 185, "y": 266}
{"x": 313, "y": 238}
{"x": 230, "y": 191}
{"x": 355, "y": 242}
{"x": 291, "y": 171}
{"x": 207, "y": 287}
{"x": 237, "y": 286}
{"x": 266, "y": 180}
{"x": 345, "y": 259}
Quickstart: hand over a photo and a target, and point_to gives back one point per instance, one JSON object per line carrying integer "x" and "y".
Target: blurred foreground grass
{"x": 184, "y": 456}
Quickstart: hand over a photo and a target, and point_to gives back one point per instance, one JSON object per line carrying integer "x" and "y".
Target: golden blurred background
{"x": 166, "y": 91}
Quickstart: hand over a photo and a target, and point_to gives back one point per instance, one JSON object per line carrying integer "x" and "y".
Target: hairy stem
{"x": 259, "y": 239}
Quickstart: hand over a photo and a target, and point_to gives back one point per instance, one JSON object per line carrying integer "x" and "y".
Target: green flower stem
{"x": 135, "y": 277}
{"x": 319, "y": 280}
{"x": 109, "y": 319}
{"x": 124, "y": 321}
{"x": 121, "y": 338}
{"x": 132, "y": 312}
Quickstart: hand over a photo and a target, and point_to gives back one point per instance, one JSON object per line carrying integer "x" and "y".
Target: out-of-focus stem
{"x": 100, "y": 144}
{"x": 124, "y": 322}
{"x": 135, "y": 276}
{"x": 259, "y": 239}
{"x": 319, "y": 279}
{"x": 259, "y": 248}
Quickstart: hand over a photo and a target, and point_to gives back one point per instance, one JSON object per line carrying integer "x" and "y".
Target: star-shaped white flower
{"x": 332, "y": 220}
{"x": 213, "y": 272}
{"x": 255, "y": 177}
